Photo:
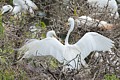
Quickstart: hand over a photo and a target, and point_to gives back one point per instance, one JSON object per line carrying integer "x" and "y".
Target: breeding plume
{"x": 109, "y": 5}
{"x": 90, "y": 22}
{"x": 67, "y": 53}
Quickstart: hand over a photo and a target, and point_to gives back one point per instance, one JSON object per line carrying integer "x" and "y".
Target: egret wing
{"x": 20, "y": 3}
{"x": 47, "y": 46}
{"x": 93, "y": 41}
{"x": 17, "y": 9}
{"x": 31, "y": 4}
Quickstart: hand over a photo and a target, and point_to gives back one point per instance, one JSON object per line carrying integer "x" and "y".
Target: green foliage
{"x": 75, "y": 12}
{"x": 8, "y": 49}
{"x": 2, "y": 60}
{"x": 6, "y": 75}
{"x": 43, "y": 25}
{"x": 1, "y": 28}
{"x": 11, "y": 1}
{"x": 110, "y": 77}
{"x": 43, "y": 35}
{"x": 53, "y": 63}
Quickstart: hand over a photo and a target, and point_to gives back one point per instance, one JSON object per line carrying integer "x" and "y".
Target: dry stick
{"x": 117, "y": 51}
{"x": 17, "y": 43}
{"x": 52, "y": 74}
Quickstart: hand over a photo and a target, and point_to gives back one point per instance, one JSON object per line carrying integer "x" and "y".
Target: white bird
{"x": 90, "y": 22}
{"x": 35, "y": 47}
{"x": 27, "y": 5}
{"x": 91, "y": 41}
{"x": 6, "y": 8}
{"x": 17, "y": 9}
{"x": 9, "y": 9}
{"x": 31, "y": 4}
{"x": 111, "y": 6}
{"x": 22, "y": 4}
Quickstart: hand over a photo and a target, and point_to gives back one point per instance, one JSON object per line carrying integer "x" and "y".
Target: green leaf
{"x": 75, "y": 11}
{"x": 2, "y": 60}
{"x": 1, "y": 28}
{"x": 43, "y": 25}
{"x": 54, "y": 63}
{"x": 110, "y": 77}
{"x": 43, "y": 35}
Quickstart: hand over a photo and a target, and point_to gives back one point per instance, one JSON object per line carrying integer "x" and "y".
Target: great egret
{"x": 38, "y": 47}
{"x": 27, "y": 5}
{"x": 91, "y": 41}
{"x": 6, "y": 8}
{"x": 111, "y": 6}
{"x": 10, "y": 9}
{"x": 31, "y": 4}
{"x": 20, "y": 6}
{"x": 90, "y": 22}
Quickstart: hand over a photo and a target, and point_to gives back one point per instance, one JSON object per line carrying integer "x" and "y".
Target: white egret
{"x": 17, "y": 9}
{"x": 38, "y": 47}
{"x": 13, "y": 10}
{"x": 22, "y": 4}
{"x": 6, "y": 8}
{"x": 91, "y": 41}
{"x": 31, "y": 4}
{"x": 27, "y": 5}
{"x": 90, "y": 22}
{"x": 111, "y": 6}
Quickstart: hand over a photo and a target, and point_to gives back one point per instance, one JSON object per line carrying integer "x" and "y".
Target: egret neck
{"x": 70, "y": 30}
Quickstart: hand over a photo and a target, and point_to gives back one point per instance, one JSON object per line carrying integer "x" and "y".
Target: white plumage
{"x": 47, "y": 46}
{"x": 9, "y": 9}
{"x": 102, "y": 4}
{"x": 91, "y": 41}
{"x": 90, "y": 22}
{"x": 31, "y": 4}
{"x": 20, "y": 6}
{"x": 16, "y": 9}
{"x": 6, "y": 8}
{"x": 27, "y": 5}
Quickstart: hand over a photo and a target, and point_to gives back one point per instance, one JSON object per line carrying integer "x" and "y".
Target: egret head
{"x": 51, "y": 34}
{"x": 6, "y": 8}
{"x": 71, "y": 23}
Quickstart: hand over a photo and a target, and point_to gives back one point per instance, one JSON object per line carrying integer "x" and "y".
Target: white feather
{"x": 47, "y": 46}
{"x": 31, "y": 12}
{"x": 16, "y": 10}
{"x": 91, "y": 41}
{"x": 22, "y": 4}
{"x": 31, "y": 4}
{"x": 90, "y": 22}
{"x": 6, "y": 8}
{"x": 26, "y": 5}
{"x": 101, "y": 4}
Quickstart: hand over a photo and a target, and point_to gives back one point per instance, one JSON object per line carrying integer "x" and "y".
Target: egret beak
{"x": 55, "y": 36}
